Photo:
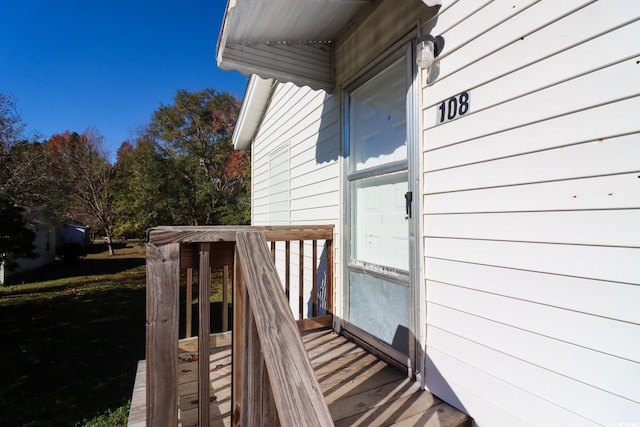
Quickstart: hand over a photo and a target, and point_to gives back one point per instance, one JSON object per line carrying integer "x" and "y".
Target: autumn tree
{"x": 82, "y": 171}
{"x": 196, "y": 132}
{"x": 235, "y": 205}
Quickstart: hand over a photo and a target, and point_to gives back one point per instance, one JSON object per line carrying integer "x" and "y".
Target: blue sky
{"x": 107, "y": 63}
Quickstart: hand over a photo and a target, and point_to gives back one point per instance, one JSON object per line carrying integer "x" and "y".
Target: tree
{"x": 235, "y": 207}
{"x": 145, "y": 182}
{"x": 80, "y": 167}
{"x": 24, "y": 171}
{"x": 196, "y": 132}
{"x": 11, "y": 128}
{"x": 11, "y": 125}
{"x": 16, "y": 240}
{"x": 24, "y": 174}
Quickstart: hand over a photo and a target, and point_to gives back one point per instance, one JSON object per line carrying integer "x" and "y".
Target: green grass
{"x": 71, "y": 336}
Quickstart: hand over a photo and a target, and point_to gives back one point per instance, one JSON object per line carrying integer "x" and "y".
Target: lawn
{"x": 71, "y": 336}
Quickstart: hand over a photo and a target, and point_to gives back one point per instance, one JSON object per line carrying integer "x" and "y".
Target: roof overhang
{"x": 288, "y": 40}
{"x": 256, "y": 98}
{"x": 283, "y": 40}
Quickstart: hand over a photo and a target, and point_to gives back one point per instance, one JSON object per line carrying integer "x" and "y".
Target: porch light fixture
{"x": 426, "y": 51}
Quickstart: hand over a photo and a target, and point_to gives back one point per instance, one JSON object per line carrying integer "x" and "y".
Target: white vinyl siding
{"x": 296, "y": 172}
{"x": 531, "y": 212}
{"x": 530, "y": 204}
{"x": 279, "y": 198}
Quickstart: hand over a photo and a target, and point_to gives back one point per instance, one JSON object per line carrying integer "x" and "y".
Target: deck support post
{"x": 163, "y": 290}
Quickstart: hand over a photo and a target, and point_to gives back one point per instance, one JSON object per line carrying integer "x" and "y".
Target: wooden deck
{"x": 359, "y": 389}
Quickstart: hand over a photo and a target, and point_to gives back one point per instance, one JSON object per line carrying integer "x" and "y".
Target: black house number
{"x": 453, "y": 107}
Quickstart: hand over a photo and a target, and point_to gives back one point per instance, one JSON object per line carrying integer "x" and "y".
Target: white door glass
{"x": 379, "y": 253}
{"x": 379, "y": 221}
{"x": 379, "y": 119}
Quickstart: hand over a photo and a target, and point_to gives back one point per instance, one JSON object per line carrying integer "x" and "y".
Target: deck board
{"x": 138, "y": 410}
{"x": 359, "y": 389}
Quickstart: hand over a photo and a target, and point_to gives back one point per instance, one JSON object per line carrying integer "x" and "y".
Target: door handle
{"x": 408, "y": 198}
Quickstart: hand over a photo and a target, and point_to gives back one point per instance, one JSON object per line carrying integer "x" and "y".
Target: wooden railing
{"x": 280, "y": 240}
{"x": 171, "y": 250}
{"x": 276, "y": 384}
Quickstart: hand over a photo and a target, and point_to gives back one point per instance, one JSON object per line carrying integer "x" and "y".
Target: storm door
{"x": 379, "y": 140}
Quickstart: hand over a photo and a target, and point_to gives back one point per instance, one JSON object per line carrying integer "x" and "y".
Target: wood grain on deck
{"x": 360, "y": 389}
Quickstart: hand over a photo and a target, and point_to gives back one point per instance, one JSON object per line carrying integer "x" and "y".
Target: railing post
{"x": 236, "y": 340}
{"x": 188, "y": 303}
{"x": 329, "y": 278}
{"x": 225, "y": 298}
{"x": 204, "y": 309}
{"x": 163, "y": 291}
{"x": 287, "y": 268}
{"x": 301, "y": 280}
{"x": 314, "y": 278}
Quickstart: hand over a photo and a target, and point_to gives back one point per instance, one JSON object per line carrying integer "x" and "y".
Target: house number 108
{"x": 453, "y": 107}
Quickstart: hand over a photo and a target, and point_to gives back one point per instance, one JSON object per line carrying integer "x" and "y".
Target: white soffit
{"x": 254, "y": 105}
{"x": 289, "y": 40}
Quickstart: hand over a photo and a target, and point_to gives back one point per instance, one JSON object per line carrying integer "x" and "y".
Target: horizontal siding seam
{"x": 530, "y": 182}
{"x": 440, "y": 80}
{"x": 317, "y": 168}
{"x": 275, "y": 130}
{"x": 508, "y": 383}
{"x": 464, "y": 18}
{"x": 280, "y": 111}
{"x": 533, "y": 302}
{"x": 328, "y": 192}
{"x": 528, "y": 363}
{"x": 432, "y": 214}
{"x": 542, "y": 88}
{"x": 543, "y": 58}
{"x": 522, "y": 125}
{"x": 528, "y": 331}
{"x": 525, "y": 153}
{"x": 533, "y": 242}
{"x": 533, "y": 271}
{"x": 441, "y": 12}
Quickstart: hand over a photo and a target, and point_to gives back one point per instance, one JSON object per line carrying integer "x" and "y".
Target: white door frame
{"x": 414, "y": 363}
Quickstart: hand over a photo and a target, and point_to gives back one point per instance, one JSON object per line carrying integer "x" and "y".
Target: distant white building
{"x": 487, "y": 207}
{"x": 73, "y": 238}
{"x": 45, "y": 225}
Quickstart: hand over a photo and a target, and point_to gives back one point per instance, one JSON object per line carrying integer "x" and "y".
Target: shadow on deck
{"x": 359, "y": 388}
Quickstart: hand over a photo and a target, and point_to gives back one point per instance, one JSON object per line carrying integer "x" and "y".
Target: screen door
{"x": 379, "y": 289}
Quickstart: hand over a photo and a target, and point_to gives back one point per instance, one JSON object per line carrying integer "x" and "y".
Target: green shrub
{"x": 117, "y": 418}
